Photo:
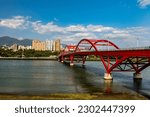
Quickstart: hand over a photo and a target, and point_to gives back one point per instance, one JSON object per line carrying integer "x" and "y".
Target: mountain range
{"x": 5, "y": 40}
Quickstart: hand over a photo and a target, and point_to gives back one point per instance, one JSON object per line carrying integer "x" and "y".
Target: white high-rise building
{"x": 49, "y": 45}
{"x": 54, "y": 46}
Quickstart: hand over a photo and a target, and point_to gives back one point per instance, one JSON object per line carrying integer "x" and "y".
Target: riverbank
{"x": 74, "y": 96}
{"x": 38, "y": 58}
{"x": 29, "y": 58}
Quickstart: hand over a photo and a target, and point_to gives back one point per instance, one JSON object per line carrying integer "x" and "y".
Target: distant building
{"x": 47, "y": 42}
{"x": 53, "y": 48}
{"x": 14, "y": 47}
{"x": 5, "y": 47}
{"x": 21, "y": 47}
{"x": 51, "y": 45}
{"x": 38, "y": 45}
{"x": 28, "y": 47}
{"x": 57, "y": 45}
{"x": 47, "y": 45}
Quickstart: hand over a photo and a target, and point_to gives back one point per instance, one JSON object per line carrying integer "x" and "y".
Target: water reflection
{"x": 137, "y": 84}
{"x": 89, "y": 82}
{"x": 83, "y": 80}
{"x": 108, "y": 86}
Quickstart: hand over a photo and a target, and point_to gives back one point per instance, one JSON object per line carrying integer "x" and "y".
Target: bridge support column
{"x": 71, "y": 64}
{"x": 71, "y": 60}
{"x": 108, "y": 76}
{"x": 137, "y": 76}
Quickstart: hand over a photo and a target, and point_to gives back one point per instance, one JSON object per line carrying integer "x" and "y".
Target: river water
{"x": 39, "y": 77}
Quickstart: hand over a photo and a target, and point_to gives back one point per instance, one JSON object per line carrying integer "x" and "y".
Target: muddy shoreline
{"x": 75, "y": 96}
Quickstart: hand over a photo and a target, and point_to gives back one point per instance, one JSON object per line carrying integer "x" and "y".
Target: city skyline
{"x": 72, "y": 20}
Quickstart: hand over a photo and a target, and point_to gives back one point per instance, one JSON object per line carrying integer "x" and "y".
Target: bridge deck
{"x": 136, "y": 52}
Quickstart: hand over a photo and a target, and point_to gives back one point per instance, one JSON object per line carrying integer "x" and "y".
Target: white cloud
{"x": 127, "y": 37}
{"x": 129, "y": 33}
{"x": 76, "y": 37}
{"x": 83, "y": 35}
{"x": 117, "y": 36}
{"x": 75, "y": 28}
{"x": 14, "y": 23}
{"x": 51, "y": 28}
{"x": 98, "y": 28}
{"x": 120, "y": 31}
{"x": 143, "y": 3}
{"x": 47, "y": 28}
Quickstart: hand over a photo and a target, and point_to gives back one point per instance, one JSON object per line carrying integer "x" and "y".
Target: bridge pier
{"x": 71, "y": 64}
{"x": 137, "y": 76}
{"x": 71, "y": 60}
{"x": 108, "y": 76}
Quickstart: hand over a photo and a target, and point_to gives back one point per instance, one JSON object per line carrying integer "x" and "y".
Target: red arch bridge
{"x": 113, "y": 58}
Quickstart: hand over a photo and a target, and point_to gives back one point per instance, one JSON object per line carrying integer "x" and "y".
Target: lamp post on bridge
{"x": 108, "y": 44}
{"x": 137, "y": 42}
{"x": 147, "y": 42}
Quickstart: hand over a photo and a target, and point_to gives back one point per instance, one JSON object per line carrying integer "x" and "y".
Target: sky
{"x": 125, "y": 22}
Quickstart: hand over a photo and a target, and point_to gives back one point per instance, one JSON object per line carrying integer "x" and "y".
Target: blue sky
{"x": 72, "y": 20}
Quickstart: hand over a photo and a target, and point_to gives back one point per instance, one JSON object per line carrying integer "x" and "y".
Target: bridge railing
{"x": 83, "y": 50}
{"x": 134, "y": 48}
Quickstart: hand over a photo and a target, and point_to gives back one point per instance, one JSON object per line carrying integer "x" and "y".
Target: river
{"x": 42, "y": 77}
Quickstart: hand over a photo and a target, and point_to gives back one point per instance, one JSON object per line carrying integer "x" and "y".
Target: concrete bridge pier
{"x": 71, "y": 64}
{"x": 137, "y": 76}
{"x": 108, "y": 76}
{"x": 71, "y": 60}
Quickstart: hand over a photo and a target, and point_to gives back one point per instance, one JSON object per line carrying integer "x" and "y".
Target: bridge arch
{"x": 108, "y": 42}
{"x": 87, "y": 42}
{"x": 94, "y": 43}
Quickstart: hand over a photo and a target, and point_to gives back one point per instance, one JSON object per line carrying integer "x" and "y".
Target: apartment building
{"x": 38, "y": 45}
{"x": 46, "y": 45}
